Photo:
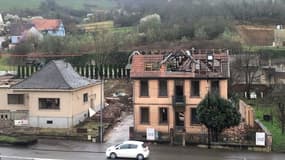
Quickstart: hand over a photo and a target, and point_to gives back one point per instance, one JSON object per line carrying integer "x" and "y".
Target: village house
{"x": 279, "y": 36}
{"x": 17, "y": 31}
{"x": 53, "y": 27}
{"x": 53, "y": 97}
{"x": 168, "y": 86}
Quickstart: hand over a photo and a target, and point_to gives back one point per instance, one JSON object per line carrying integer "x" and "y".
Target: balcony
{"x": 178, "y": 101}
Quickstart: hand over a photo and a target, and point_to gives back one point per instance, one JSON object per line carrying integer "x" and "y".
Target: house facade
{"x": 53, "y": 27}
{"x": 17, "y": 30}
{"x": 54, "y": 97}
{"x": 168, "y": 87}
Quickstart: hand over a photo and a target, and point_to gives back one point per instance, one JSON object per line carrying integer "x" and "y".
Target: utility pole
{"x": 209, "y": 58}
{"x": 101, "y": 109}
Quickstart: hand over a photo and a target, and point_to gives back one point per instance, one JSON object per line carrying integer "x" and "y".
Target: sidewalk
{"x": 118, "y": 134}
{"x": 68, "y": 146}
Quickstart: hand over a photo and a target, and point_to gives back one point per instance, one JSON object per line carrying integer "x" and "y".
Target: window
{"x": 124, "y": 146}
{"x": 163, "y": 115}
{"x": 49, "y": 122}
{"x": 143, "y": 88}
{"x": 151, "y": 66}
{"x": 133, "y": 146}
{"x": 195, "y": 88}
{"x": 49, "y": 103}
{"x": 85, "y": 97}
{"x": 215, "y": 87}
{"x": 144, "y": 115}
{"x": 194, "y": 118}
{"x": 162, "y": 88}
{"x": 15, "y": 98}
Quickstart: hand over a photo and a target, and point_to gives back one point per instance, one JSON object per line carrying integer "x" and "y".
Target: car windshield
{"x": 117, "y": 145}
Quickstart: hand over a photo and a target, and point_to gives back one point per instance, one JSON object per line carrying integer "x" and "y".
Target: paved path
{"x": 120, "y": 132}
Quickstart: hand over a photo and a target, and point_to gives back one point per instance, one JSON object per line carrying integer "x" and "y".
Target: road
{"x": 158, "y": 152}
{"x": 75, "y": 150}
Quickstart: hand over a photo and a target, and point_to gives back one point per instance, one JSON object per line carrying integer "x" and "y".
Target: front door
{"x": 179, "y": 120}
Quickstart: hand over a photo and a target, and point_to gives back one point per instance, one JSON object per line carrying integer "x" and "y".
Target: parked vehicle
{"x": 128, "y": 149}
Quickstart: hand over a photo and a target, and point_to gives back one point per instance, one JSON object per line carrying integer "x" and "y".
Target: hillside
{"x": 256, "y": 35}
{"x": 75, "y": 4}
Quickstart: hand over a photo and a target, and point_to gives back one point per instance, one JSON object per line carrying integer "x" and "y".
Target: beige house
{"x": 55, "y": 96}
{"x": 168, "y": 87}
{"x": 279, "y": 36}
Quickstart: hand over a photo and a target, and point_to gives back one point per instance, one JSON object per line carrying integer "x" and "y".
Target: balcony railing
{"x": 178, "y": 101}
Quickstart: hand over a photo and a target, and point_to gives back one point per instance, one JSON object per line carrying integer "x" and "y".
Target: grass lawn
{"x": 4, "y": 66}
{"x": 273, "y": 127}
{"x": 18, "y": 4}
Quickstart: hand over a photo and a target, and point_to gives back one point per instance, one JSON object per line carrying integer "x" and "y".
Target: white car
{"x": 128, "y": 149}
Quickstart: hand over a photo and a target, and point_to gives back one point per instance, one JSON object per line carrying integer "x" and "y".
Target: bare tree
{"x": 245, "y": 70}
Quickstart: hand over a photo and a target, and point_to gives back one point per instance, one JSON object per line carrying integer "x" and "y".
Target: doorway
{"x": 179, "y": 88}
{"x": 179, "y": 120}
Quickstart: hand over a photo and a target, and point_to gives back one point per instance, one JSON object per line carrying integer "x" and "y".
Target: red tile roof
{"x": 46, "y": 24}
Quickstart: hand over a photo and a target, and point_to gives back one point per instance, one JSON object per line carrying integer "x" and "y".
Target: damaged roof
{"x": 57, "y": 74}
{"x": 180, "y": 64}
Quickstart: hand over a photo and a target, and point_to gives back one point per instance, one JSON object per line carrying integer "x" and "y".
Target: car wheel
{"x": 113, "y": 156}
{"x": 140, "y": 157}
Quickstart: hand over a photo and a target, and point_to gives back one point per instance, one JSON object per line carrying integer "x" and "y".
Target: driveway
{"x": 120, "y": 132}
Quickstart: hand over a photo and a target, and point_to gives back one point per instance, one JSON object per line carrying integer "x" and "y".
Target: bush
{"x": 21, "y": 140}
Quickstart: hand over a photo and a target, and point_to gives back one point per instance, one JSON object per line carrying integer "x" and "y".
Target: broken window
{"x": 144, "y": 115}
{"x": 151, "y": 66}
{"x": 163, "y": 115}
{"x": 195, "y": 88}
{"x": 143, "y": 88}
{"x": 49, "y": 103}
{"x": 163, "y": 88}
{"x": 49, "y": 122}
{"x": 215, "y": 87}
{"x": 194, "y": 117}
{"x": 15, "y": 98}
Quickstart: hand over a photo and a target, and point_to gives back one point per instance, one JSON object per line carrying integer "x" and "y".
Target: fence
{"x": 89, "y": 71}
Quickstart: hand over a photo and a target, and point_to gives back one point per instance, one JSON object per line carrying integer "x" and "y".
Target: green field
{"x": 18, "y": 4}
{"x": 75, "y": 4}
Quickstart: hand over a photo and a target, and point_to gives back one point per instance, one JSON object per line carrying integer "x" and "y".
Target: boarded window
{"x": 163, "y": 115}
{"x": 194, "y": 117}
{"x": 15, "y": 98}
{"x": 85, "y": 97}
{"x": 195, "y": 88}
{"x": 143, "y": 88}
{"x": 144, "y": 115}
{"x": 215, "y": 87}
{"x": 163, "y": 88}
{"x": 49, "y": 103}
